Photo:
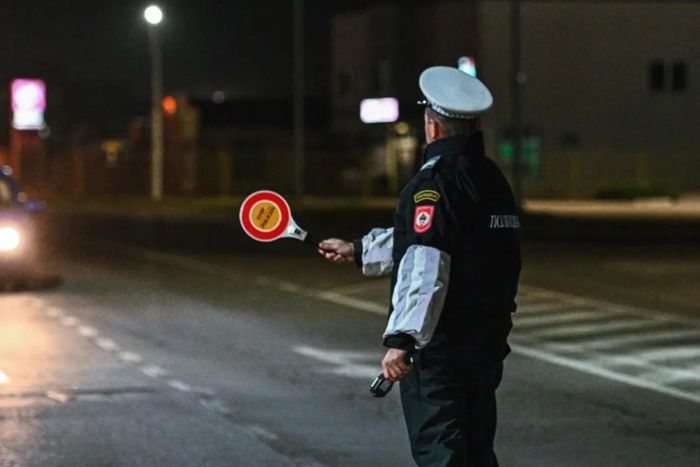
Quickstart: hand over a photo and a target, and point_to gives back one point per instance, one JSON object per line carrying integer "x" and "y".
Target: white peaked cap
{"x": 453, "y": 93}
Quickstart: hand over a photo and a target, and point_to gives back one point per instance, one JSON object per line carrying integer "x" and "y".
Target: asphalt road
{"x": 181, "y": 345}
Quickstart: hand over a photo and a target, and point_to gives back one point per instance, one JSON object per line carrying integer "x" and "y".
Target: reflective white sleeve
{"x": 377, "y": 246}
{"x": 419, "y": 293}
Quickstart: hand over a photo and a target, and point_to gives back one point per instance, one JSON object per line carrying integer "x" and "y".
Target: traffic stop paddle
{"x": 265, "y": 216}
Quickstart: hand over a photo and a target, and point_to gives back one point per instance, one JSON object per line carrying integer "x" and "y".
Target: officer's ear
{"x": 433, "y": 130}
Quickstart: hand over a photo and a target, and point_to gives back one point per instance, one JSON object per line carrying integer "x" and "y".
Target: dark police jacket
{"x": 453, "y": 253}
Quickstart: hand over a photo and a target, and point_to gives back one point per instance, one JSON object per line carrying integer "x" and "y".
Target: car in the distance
{"x": 17, "y": 247}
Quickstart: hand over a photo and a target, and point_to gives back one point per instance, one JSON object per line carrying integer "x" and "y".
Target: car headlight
{"x": 10, "y": 239}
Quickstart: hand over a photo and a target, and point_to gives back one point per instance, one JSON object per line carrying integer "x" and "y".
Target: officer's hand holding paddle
{"x": 337, "y": 250}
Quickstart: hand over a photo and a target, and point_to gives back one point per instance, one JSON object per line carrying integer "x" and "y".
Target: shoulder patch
{"x": 431, "y": 163}
{"x": 423, "y": 219}
{"x": 426, "y": 195}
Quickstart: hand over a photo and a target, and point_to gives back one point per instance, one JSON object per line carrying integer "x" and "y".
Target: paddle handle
{"x": 294, "y": 231}
{"x": 311, "y": 240}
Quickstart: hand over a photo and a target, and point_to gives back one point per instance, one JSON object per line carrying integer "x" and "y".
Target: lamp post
{"x": 154, "y": 16}
{"x": 516, "y": 80}
{"x": 299, "y": 130}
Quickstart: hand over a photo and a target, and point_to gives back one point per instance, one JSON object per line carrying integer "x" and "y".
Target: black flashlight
{"x": 380, "y": 386}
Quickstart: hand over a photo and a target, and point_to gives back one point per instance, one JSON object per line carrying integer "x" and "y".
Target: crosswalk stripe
{"x": 565, "y": 317}
{"x": 542, "y": 307}
{"x": 573, "y": 300}
{"x": 641, "y": 338}
{"x": 694, "y": 370}
{"x": 585, "y": 329}
{"x": 599, "y": 356}
{"x": 587, "y": 367}
{"x": 670, "y": 353}
{"x": 670, "y": 376}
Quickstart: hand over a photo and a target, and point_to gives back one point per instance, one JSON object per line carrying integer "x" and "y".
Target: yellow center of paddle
{"x": 265, "y": 216}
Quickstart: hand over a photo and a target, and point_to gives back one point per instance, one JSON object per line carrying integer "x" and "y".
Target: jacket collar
{"x": 469, "y": 146}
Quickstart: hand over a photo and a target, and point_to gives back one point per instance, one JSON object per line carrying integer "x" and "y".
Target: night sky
{"x": 100, "y": 48}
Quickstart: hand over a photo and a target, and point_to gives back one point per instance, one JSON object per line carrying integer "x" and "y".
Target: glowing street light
{"x": 154, "y": 16}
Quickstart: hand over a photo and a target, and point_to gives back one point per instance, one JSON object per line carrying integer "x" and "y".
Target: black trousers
{"x": 450, "y": 409}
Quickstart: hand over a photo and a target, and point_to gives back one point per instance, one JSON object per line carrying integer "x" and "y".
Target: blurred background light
{"x": 382, "y": 110}
{"x": 153, "y": 14}
{"x": 28, "y": 104}
{"x": 467, "y": 65}
{"x": 9, "y": 239}
{"x": 218, "y": 97}
{"x": 169, "y": 105}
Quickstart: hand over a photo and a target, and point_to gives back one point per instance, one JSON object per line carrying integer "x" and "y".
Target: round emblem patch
{"x": 423, "y": 219}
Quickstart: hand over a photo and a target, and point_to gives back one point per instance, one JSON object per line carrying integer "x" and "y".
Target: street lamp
{"x": 154, "y": 16}
{"x": 516, "y": 111}
{"x": 299, "y": 128}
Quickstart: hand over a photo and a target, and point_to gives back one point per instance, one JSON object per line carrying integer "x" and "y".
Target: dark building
{"x": 609, "y": 88}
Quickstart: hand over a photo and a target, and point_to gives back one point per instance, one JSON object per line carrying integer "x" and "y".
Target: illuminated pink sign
{"x": 382, "y": 110}
{"x": 28, "y": 104}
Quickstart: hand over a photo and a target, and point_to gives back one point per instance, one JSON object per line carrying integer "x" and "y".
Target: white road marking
{"x": 695, "y": 370}
{"x": 262, "y": 432}
{"x": 58, "y": 396}
{"x": 106, "y": 344}
{"x": 602, "y": 372}
{"x": 364, "y": 305}
{"x": 344, "y": 363}
{"x": 670, "y": 376}
{"x": 669, "y": 353}
{"x": 70, "y": 321}
{"x": 87, "y": 331}
{"x": 4, "y": 379}
{"x": 204, "y": 392}
{"x": 575, "y": 330}
{"x": 282, "y": 285}
{"x": 179, "y": 385}
{"x": 533, "y": 300}
{"x": 612, "y": 361}
{"x": 366, "y": 372}
{"x": 285, "y": 286}
{"x": 360, "y": 287}
{"x": 613, "y": 342}
{"x": 574, "y": 300}
{"x": 652, "y": 368}
{"x": 332, "y": 297}
{"x": 524, "y": 321}
{"x": 543, "y": 307}
{"x": 154, "y": 371}
{"x": 130, "y": 357}
{"x": 216, "y": 405}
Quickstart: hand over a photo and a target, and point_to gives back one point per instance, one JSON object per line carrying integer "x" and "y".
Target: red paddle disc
{"x": 265, "y": 215}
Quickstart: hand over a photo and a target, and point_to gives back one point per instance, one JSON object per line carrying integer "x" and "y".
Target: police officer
{"x": 454, "y": 256}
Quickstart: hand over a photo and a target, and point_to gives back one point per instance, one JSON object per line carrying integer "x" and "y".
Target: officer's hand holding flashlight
{"x": 381, "y": 385}
{"x": 394, "y": 365}
{"x": 337, "y": 250}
